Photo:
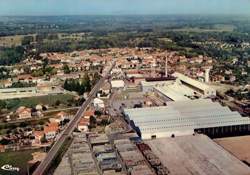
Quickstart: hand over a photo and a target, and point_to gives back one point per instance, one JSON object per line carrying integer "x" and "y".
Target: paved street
{"x": 44, "y": 165}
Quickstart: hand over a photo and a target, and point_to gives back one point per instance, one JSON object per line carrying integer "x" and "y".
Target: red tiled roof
{"x": 89, "y": 113}
{"x": 38, "y": 133}
{"x": 83, "y": 122}
{"x": 52, "y": 127}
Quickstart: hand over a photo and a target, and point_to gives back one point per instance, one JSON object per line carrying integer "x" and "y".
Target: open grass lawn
{"x": 16, "y": 159}
{"x": 33, "y": 101}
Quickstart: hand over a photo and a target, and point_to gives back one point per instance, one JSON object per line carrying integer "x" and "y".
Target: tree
{"x": 98, "y": 113}
{"x": 105, "y": 122}
{"x": 86, "y": 82}
{"x": 92, "y": 121}
{"x": 4, "y": 73}
{"x": 41, "y": 122}
{"x": 45, "y": 63}
{"x": 11, "y": 55}
{"x": 37, "y": 73}
{"x": 78, "y": 85}
{"x": 23, "y": 124}
{"x": 96, "y": 77}
{"x": 27, "y": 40}
{"x": 43, "y": 139}
{"x": 66, "y": 69}
{"x": 22, "y": 84}
{"x": 2, "y": 104}
{"x": 58, "y": 102}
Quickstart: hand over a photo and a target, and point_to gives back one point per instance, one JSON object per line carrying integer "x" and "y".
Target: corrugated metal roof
{"x": 192, "y": 82}
{"x": 176, "y": 91}
{"x": 184, "y": 115}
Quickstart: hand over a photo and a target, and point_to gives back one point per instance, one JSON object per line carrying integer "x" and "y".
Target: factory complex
{"x": 178, "y": 88}
{"x": 186, "y": 118}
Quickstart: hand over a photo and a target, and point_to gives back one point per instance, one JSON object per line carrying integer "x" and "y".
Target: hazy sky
{"x": 118, "y": 7}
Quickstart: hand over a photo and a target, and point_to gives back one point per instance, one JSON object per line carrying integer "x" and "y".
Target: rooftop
{"x": 176, "y": 91}
{"x": 52, "y": 127}
{"x": 184, "y": 115}
{"x": 99, "y": 139}
{"x": 196, "y": 155}
{"x": 78, "y": 159}
{"x": 191, "y": 81}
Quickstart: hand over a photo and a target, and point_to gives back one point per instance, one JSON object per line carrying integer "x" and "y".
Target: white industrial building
{"x": 202, "y": 88}
{"x": 175, "y": 92}
{"x": 179, "y": 88}
{"x": 148, "y": 86}
{"x": 186, "y": 118}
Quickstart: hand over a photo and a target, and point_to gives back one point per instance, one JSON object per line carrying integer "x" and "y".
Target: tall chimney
{"x": 166, "y": 67}
{"x": 207, "y": 71}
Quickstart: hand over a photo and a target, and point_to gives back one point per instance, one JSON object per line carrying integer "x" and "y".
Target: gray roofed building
{"x": 184, "y": 118}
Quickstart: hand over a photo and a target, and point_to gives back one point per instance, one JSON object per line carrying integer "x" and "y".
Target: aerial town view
{"x": 122, "y": 87}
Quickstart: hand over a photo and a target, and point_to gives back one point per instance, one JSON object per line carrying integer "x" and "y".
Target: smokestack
{"x": 166, "y": 67}
{"x": 207, "y": 71}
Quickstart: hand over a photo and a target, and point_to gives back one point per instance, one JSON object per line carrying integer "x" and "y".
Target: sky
{"x": 123, "y": 7}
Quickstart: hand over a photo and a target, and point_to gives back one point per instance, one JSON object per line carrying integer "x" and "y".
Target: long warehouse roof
{"x": 184, "y": 115}
{"x": 176, "y": 91}
{"x": 192, "y": 82}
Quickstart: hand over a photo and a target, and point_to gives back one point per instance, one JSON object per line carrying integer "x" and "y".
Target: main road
{"x": 44, "y": 165}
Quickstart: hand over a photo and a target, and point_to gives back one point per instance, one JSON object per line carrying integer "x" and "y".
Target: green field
{"x": 216, "y": 28}
{"x": 16, "y": 159}
{"x": 33, "y": 101}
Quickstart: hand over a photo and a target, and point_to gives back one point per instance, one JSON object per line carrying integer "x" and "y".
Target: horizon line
{"x": 153, "y": 14}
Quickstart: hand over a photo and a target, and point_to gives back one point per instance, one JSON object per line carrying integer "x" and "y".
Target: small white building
{"x": 98, "y": 103}
{"x": 50, "y": 135}
{"x": 51, "y": 130}
{"x": 117, "y": 84}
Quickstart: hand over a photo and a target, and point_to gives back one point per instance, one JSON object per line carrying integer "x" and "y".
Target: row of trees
{"x": 80, "y": 86}
{"x": 22, "y": 84}
{"x": 240, "y": 94}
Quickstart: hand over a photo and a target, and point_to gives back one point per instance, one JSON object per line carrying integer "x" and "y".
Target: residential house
{"x": 51, "y": 130}
{"x": 63, "y": 115}
{"x": 38, "y": 136}
{"x": 83, "y": 125}
{"x": 87, "y": 114}
{"x": 23, "y": 112}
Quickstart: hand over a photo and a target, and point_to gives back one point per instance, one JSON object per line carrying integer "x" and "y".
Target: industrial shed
{"x": 200, "y": 87}
{"x": 185, "y": 118}
{"x": 174, "y": 92}
{"x": 181, "y": 88}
